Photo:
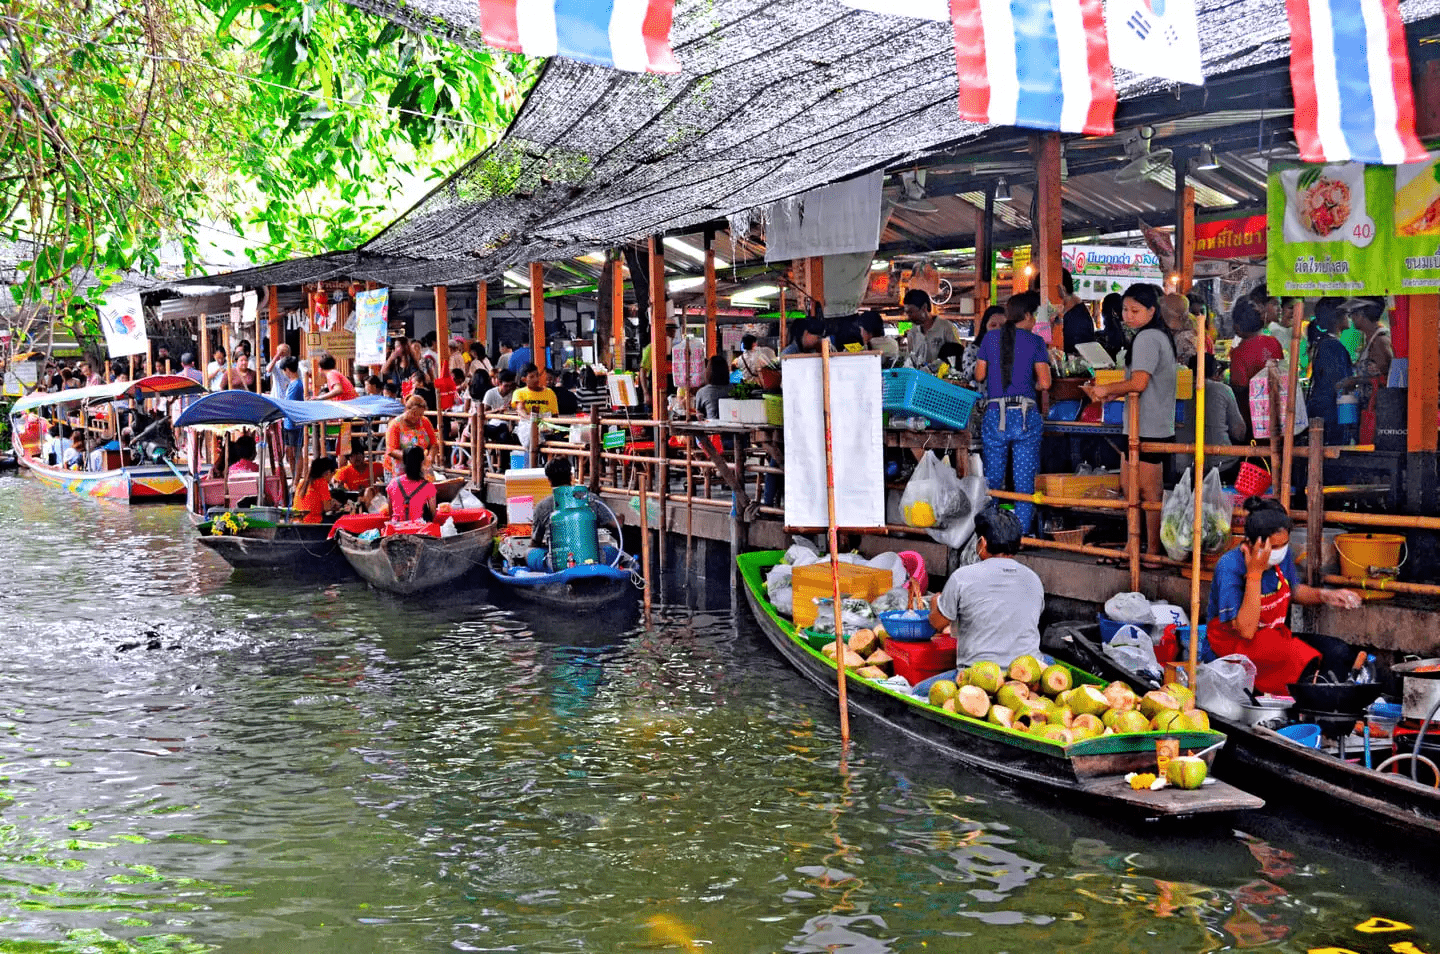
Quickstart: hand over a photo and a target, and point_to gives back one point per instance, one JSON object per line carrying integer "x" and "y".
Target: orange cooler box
{"x": 919, "y": 661}
{"x": 812, "y": 582}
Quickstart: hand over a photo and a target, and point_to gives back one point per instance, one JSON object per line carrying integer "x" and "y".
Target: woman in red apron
{"x": 1250, "y": 606}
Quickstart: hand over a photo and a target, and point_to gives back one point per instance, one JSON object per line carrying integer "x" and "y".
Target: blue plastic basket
{"x": 1067, "y": 411}
{"x": 907, "y": 630}
{"x": 916, "y": 392}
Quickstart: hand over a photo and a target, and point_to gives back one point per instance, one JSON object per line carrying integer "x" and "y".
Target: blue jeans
{"x": 1021, "y": 441}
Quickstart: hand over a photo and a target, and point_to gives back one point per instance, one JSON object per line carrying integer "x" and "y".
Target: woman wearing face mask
{"x": 1250, "y": 604}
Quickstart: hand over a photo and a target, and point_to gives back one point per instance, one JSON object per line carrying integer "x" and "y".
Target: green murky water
{"x": 191, "y": 761}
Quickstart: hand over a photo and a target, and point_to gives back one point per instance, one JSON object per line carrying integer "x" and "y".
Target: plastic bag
{"x": 801, "y": 553}
{"x": 1260, "y": 404}
{"x": 1132, "y": 648}
{"x": 958, "y": 533}
{"x": 1129, "y": 608}
{"x": 447, "y": 529}
{"x": 896, "y": 599}
{"x": 891, "y": 561}
{"x": 856, "y": 615}
{"x": 1223, "y": 686}
{"x": 465, "y": 500}
{"x": 932, "y": 495}
{"x": 1177, "y": 517}
{"x": 778, "y": 588}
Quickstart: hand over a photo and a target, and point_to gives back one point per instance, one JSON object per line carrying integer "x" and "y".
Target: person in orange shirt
{"x": 313, "y": 497}
{"x": 410, "y": 429}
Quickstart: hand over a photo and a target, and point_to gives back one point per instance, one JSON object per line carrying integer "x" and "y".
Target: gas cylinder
{"x": 574, "y": 537}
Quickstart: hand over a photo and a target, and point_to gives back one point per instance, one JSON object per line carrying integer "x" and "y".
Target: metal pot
{"x": 1421, "y": 690}
{"x": 1347, "y": 698}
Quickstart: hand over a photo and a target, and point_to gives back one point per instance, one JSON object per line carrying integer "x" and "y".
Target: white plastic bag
{"x": 958, "y": 532}
{"x": 856, "y": 613}
{"x": 801, "y": 554}
{"x": 447, "y": 529}
{"x": 891, "y": 561}
{"x": 778, "y": 588}
{"x": 932, "y": 495}
{"x": 1129, "y": 608}
{"x": 465, "y": 500}
{"x": 1223, "y": 686}
{"x": 1131, "y": 648}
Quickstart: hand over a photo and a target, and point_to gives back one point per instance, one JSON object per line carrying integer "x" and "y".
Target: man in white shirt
{"x": 929, "y": 334}
{"x": 992, "y": 607}
{"x": 497, "y": 400}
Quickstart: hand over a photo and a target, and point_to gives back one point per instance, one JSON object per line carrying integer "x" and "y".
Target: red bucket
{"x": 1252, "y": 481}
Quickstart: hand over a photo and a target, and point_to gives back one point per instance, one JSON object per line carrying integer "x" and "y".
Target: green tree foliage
{"x": 300, "y": 123}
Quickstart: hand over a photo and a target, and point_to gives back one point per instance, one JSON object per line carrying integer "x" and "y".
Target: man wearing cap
{"x": 1372, "y": 366}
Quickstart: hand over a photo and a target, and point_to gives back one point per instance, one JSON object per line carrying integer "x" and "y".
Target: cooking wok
{"x": 1347, "y": 698}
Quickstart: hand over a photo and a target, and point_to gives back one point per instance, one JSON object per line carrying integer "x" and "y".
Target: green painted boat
{"x": 1093, "y": 769}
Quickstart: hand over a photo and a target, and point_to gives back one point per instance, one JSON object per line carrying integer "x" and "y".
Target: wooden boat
{"x": 123, "y": 478}
{"x": 578, "y": 587}
{"x": 1258, "y": 757}
{"x": 406, "y": 563}
{"x": 1093, "y": 769}
{"x": 276, "y": 540}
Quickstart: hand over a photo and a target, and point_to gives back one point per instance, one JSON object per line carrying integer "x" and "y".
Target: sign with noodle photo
{"x": 1330, "y": 229}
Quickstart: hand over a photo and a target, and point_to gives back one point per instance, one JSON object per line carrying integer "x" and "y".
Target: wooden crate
{"x": 1075, "y": 485}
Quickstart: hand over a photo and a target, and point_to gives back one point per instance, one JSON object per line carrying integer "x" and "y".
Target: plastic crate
{"x": 916, "y": 392}
{"x": 775, "y": 409}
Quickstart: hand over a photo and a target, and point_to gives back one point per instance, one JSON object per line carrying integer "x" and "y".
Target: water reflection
{"x": 191, "y": 759}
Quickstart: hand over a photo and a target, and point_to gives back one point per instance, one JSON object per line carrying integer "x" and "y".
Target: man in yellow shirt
{"x": 534, "y": 397}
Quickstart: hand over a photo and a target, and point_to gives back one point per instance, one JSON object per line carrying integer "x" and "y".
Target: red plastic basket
{"x": 1251, "y": 481}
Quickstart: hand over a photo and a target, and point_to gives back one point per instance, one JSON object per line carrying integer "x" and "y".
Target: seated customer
{"x": 717, "y": 386}
{"x": 1250, "y": 605}
{"x": 992, "y": 607}
{"x": 412, "y": 497}
{"x": 313, "y": 496}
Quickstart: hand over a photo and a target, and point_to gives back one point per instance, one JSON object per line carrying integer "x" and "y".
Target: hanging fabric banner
{"x": 1041, "y": 65}
{"x": 1351, "y": 75}
{"x": 372, "y": 321}
{"x": 1157, "y": 38}
{"x": 632, "y": 35}
{"x": 122, "y": 320}
{"x": 858, "y": 436}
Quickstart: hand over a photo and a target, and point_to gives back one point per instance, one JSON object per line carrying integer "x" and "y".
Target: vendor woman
{"x": 1250, "y": 605}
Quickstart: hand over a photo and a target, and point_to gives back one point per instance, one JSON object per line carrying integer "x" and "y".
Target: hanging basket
{"x": 1252, "y": 481}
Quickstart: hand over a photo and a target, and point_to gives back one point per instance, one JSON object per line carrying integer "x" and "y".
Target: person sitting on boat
{"x": 313, "y": 497}
{"x": 410, "y": 429}
{"x": 559, "y": 473}
{"x": 411, "y": 496}
{"x": 1250, "y": 604}
{"x": 75, "y": 456}
{"x": 992, "y": 607}
{"x": 242, "y": 457}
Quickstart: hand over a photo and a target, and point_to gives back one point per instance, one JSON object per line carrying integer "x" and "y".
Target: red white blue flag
{"x": 1351, "y": 76}
{"x": 631, "y": 35}
{"x": 1042, "y": 64}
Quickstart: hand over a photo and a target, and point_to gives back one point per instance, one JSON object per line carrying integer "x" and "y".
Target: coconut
{"x": 1027, "y": 721}
{"x": 1026, "y": 669}
{"x": 1056, "y": 733}
{"x": 1108, "y": 717}
{"x": 853, "y": 660}
{"x": 872, "y": 672}
{"x": 1063, "y": 698}
{"x": 1156, "y": 700}
{"x": 1086, "y": 726}
{"x": 1120, "y": 696}
{"x": 1055, "y": 680}
{"x": 863, "y": 642}
{"x": 1196, "y": 720}
{"x": 1012, "y": 694}
{"x": 942, "y": 690}
{"x": 986, "y": 675}
{"x": 973, "y": 701}
{"x": 1087, "y": 700}
{"x": 1164, "y": 720}
{"x": 1186, "y": 772}
{"x": 1067, "y": 716}
{"x": 1131, "y": 721}
{"x": 1001, "y": 715}
{"x": 880, "y": 659}
{"x": 1182, "y": 695}
{"x": 949, "y": 704}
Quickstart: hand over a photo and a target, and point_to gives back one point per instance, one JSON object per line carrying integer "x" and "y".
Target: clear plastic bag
{"x": 932, "y": 496}
{"x": 856, "y": 614}
{"x": 1177, "y": 518}
{"x": 778, "y": 588}
{"x": 1129, "y": 608}
{"x": 958, "y": 531}
{"x": 1132, "y": 648}
{"x": 1223, "y": 686}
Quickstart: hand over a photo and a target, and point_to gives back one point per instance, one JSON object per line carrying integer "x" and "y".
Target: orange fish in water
{"x": 669, "y": 929}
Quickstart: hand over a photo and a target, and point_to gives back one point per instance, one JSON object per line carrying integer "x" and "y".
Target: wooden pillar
{"x": 815, "y": 279}
{"x": 712, "y": 336}
{"x": 537, "y": 312}
{"x": 1184, "y": 231}
{"x": 659, "y": 354}
{"x": 482, "y": 314}
{"x": 983, "y": 230}
{"x": 203, "y": 361}
{"x": 1049, "y": 222}
{"x": 783, "y": 340}
{"x": 617, "y": 312}
{"x": 277, "y": 333}
{"x": 1424, "y": 391}
{"x": 442, "y": 328}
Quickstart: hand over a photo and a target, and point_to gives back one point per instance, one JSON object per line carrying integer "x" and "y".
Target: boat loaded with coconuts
{"x": 1056, "y": 727}
{"x": 1280, "y": 746}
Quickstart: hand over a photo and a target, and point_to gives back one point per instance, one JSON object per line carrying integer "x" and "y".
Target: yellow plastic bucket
{"x": 1370, "y": 554}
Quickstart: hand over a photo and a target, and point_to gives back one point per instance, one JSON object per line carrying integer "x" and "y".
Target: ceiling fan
{"x": 1141, "y": 162}
{"x": 912, "y": 193}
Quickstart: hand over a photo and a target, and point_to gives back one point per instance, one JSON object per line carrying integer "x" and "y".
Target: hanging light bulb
{"x": 1207, "y": 158}
{"x": 1002, "y": 191}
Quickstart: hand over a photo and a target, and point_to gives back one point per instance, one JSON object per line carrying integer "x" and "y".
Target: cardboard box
{"x": 813, "y": 581}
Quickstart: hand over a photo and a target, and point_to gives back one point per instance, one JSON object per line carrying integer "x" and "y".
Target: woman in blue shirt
{"x": 1014, "y": 366}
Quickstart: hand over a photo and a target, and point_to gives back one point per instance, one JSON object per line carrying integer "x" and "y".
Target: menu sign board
{"x": 1099, "y": 270}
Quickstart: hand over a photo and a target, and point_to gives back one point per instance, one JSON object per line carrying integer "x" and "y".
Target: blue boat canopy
{"x": 247, "y": 407}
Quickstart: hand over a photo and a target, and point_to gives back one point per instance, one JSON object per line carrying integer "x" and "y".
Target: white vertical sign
{"x": 856, "y": 435}
{"x": 122, "y": 321}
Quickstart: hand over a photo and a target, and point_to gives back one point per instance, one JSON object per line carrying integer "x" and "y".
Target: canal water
{"x": 194, "y": 761}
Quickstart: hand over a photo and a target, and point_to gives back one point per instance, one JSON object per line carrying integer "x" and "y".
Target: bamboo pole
{"x": 1315, "y": 502}
{"x": 645, "y": 538}
{"x": 442, "y": 330}
{"x": 617, "y": 314}
{"x": 537, "y": 314}
{"x": 1292, "y": 381}
{"x": 1375, "y": 585}
{"x": 1197, "y": 529}
{"x": 1134, "y": 517}
{"x": 712, "y": 335}
{"x": 833, "y": 538}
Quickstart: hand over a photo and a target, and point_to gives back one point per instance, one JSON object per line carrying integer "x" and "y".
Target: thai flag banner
{"x": 1351, "y": 76}
{"x": 632, "y": 35}
{"x": 1157, "y": 38}
{"x": 1042, "y": 64}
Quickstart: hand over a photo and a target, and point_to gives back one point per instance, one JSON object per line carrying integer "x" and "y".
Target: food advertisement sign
{"x": 1416, "y": 257}
{"x": 1328, "y": 229}
{"x": 1099, "y": 270}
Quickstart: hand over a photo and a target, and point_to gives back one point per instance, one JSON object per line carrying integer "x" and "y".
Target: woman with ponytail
{"x": 1014, "y": 366}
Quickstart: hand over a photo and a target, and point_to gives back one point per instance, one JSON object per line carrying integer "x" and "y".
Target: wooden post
{"x": 1197, "y": 529}
{"x": 482, "y": 314}
{"x": 1049, "y": 224}
{"x": 442, "y": 329}
{"x": 645, "y": 539}
{"x": 617, "y": 313}
{"x": 1292, "y": 379}
{"x": 982, "y": 256}
{"x": 203, "y": 362}
{"x": 477, "y": 448}
{"x": 276, "y": 333}
{"x": 659, "y": 360}
{"x": 595, "y": 450}
{"x": 815, "y": 279}
{"x": 712, "y": 336}
{"x": 1184, "y": 232}
{"x": 832, "y": 535}
{"x": 150, "y": 357}
{"x": 780, "y": 346}
{"x": 1424, "y": 392}
{"x": 225, "y": 339}
{"x": 1134, "y": 516}
{"x": 1315, "y": 502}
{"x": 537, "y": 313}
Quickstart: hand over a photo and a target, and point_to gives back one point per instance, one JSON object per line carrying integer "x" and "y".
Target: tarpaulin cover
{"x": 247, "y": 407}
